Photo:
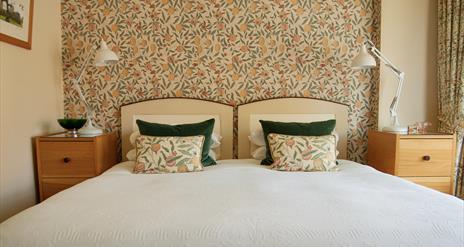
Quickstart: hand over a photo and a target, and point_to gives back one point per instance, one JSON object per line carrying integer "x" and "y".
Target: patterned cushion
{"x": 320, "y": 128}
{"x": 158, "y": 154}
{"x": 204, "y": 128}
{"x": 302, "y": 153}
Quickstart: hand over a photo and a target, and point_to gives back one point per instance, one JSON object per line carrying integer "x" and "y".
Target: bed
{"x": 240, "y": 203}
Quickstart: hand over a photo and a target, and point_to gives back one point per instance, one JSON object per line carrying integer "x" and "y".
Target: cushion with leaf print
{"x": 319, "y": 128}
{"x": 302, "y": 153}
{"x": 168, "y": 154}
{"x": 204, "y": 128}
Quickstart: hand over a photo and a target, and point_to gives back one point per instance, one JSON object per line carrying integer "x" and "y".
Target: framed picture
{"x": 16, "y": 22}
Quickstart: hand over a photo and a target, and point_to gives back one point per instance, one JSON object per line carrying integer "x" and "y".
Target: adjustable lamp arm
{"x": 382, "y": 58}
{"x": 103, "y": 57}
{"x": 397, "y": 72}
{"x": 78, "y": 88}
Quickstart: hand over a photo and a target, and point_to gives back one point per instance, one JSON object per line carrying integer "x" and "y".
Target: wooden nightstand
{"x": 423, "y": 159}
{"x": 65, "y": 161}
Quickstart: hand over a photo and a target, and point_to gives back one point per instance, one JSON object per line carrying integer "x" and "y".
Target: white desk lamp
{"x": 104, "y": 57}
{"x": 364, "y": 60}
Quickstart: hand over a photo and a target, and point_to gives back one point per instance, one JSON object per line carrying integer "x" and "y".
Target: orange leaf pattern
{"x": 233, "y": 51}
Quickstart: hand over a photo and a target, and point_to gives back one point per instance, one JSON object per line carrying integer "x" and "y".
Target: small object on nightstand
{"x": 419, "y": 128}
{"x": 72, "y": 125}
{"x": 425, "y": 159}
{"x": 64, "y": 161}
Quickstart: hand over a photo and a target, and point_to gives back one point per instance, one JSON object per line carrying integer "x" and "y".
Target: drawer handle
{"x": 66, "y": 160}
{"x": 426, "y": 157}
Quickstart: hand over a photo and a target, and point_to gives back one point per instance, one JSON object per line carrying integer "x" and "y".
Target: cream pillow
{"x": 257, "y": 138}
{"x": 259, "y": 153}
{"x": 131, "y": 155}
{"x": 302, "y": 153}
{"x": 215, "y": 141}
{"x": 133, "y": 137}
{"x": 171, "y": 154}
{"x": 212, "y": 154}
{"x": 215, "y": 152}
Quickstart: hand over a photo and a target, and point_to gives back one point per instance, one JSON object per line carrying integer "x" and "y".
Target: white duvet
{"x": 239, "y": 203}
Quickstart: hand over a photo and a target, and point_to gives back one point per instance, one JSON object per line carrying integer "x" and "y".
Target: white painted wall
{"x": 30, "y": 102}
{"x": 409, "y": 40}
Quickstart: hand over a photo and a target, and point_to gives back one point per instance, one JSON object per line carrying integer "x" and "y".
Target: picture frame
{"x": 16, "y": 22}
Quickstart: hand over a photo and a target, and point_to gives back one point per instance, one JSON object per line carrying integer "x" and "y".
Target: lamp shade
{"x": 105, "y": 56}
{"x": 363, "y": 60}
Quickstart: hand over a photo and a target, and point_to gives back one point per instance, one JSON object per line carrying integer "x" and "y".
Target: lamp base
{"x": 396, "y": 129}
{"x": 90, "y": 130}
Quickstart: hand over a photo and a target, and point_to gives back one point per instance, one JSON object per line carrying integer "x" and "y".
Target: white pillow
{"x": 212, "y": 154}
{"x": 337, "y": 138}
{"x": 215, "y": 140}
{"x": 131, "y": 155}
{"x": 257, "y": 137}
{"x": 133, "y": 137}
{"x": 259, "y": 153}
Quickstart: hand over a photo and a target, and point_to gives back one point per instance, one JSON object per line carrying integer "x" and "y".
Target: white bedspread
{"x": 239, "y": 203}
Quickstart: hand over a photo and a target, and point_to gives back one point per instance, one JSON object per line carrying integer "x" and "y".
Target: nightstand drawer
{"x": 67, "y": 159}
{"x": 63, "y": 161}
{"x": 442, "y": 184}
{"x": 51, "y": 186}
{"x": 425, "y": 157}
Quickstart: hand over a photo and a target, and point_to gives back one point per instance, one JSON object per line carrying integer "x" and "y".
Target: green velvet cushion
{"x": 202, "y": 128}
{"x": 299, "y": 129}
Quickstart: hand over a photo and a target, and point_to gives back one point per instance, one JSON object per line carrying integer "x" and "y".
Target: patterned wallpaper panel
{"x": 231, "y": 51}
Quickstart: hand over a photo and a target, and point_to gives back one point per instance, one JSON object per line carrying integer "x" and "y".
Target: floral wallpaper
{"x": 230, "y": 51}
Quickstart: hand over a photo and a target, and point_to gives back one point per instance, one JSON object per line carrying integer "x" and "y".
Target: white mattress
{"x": 239, "y": 203}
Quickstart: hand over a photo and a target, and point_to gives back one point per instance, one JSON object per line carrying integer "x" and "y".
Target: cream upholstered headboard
{"x": 178, "y": 111}
{"x": 289, "y": 110}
